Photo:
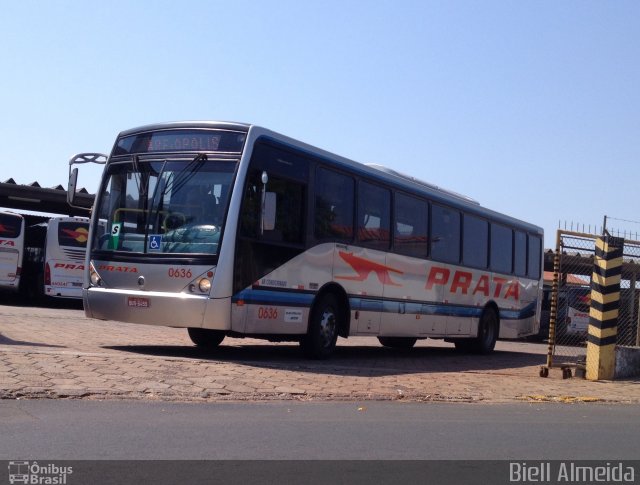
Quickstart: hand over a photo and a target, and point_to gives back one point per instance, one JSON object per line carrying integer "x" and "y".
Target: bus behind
{"x": 11, "y": 250}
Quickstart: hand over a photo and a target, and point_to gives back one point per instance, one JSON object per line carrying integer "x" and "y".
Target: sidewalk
{"x": 58, "y": 353}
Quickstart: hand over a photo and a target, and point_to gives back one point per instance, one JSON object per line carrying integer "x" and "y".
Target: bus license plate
{"x": 138, "y": 302}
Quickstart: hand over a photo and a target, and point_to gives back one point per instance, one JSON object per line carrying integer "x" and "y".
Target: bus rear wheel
{"x": 398, "y": 342}
{"x": 488, "y": 330}
{"x": 205, "y": 338}
{"x": 322, "y": 334}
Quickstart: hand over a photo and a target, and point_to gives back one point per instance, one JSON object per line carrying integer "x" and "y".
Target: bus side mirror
{"x": 71, "y": 188}
{"x": 98, "y": 158}
{"x": 269, "y": 212}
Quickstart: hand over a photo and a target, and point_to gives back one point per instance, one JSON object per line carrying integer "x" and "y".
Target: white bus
{"x": 65, "y": 253}
{"x": 232, "y": 229}
{"x": 11, "y": 249}
{"x": 55, "y": 254}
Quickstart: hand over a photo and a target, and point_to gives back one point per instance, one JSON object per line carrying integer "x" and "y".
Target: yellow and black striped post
{"x": 603, "y": 314}
{"x": 553, "y": 313}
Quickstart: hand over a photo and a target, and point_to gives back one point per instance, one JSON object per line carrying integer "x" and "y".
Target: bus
{"x": 54, "y": 257}
{"x": 65, "y": 252}
{"x": 231, "y": 229}
{"x": 11, "y": 249}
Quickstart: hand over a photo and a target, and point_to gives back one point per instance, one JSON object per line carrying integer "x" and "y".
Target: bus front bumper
{"x": 146, "y": 307}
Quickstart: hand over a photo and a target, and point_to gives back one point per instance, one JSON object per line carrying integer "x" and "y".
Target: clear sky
{"x": 530, "y": 107}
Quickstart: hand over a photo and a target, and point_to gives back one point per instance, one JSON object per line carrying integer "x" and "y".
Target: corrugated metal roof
{"x": 34, "y": 197}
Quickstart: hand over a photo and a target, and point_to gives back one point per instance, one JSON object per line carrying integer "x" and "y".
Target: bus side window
{"x": 410, "y": 236}
{"x": 520, "y": 253}
{"x": 534, "y": 256}
{"x": 334, "y": 194}
{"x": 501, "y": 260}
{"x": 445, "y": 234}
{"x": 374, "y": 216}
{"x": 475, "y": 241}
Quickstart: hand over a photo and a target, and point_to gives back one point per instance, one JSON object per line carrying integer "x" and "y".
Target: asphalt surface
{"x": 59, "y": 353}
{"x": 286, "y": 430}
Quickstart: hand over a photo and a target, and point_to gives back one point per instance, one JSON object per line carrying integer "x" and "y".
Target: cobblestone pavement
{"x": 58, "y": 353}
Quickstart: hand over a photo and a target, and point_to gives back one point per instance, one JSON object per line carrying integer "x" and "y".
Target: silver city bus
{"x": 232, "y": 229}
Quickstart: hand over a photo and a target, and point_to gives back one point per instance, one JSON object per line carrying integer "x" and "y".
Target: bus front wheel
{"x": 320, "y": 340}
{"x": 205, "y": 338}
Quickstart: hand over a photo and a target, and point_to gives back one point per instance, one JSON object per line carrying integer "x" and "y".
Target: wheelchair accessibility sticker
{"x": 155, "y": 242}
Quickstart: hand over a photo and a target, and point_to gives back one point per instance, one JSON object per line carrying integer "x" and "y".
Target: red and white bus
{"x": 64, "y": 256}
{"x": 232, "y": 229}
{"x": 11, "y": 249}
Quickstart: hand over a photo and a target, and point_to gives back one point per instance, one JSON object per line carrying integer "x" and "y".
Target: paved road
{"x": 85, "y": 430}
{"x": 57, "y": 352}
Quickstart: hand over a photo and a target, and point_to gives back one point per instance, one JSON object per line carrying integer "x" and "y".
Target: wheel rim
{"x": 327, "y": 326}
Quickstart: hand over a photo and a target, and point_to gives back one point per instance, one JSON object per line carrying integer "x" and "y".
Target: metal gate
{"x": 571, "y": 298}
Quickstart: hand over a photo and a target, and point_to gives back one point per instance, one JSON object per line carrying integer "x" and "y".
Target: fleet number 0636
{"x": 267, "y": 313}
{"x": 179, "y": 273}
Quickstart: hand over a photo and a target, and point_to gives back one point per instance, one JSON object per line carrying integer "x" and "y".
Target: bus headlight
{"x": 204, "y": 285}
{"x": 94, "y": 277}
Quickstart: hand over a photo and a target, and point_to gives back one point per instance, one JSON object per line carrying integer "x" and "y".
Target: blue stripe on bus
{"x": 296, "y": 298}
{"x": 431, "y": 308}
{"x": 278, "y": 297}
{"x": 526, "y": 312}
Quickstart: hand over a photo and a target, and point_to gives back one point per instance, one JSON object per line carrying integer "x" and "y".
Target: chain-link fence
{"x": 571, "y": 297}
{"x": 629, "y": 319}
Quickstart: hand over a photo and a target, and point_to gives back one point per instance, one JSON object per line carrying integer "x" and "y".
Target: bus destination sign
{"x": 181, "y": 141}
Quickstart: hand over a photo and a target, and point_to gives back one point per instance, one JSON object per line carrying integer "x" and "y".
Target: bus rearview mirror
{"x": 71, "y": 188}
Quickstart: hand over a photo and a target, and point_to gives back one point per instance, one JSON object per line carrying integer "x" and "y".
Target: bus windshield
{"x": 164, "y": 206}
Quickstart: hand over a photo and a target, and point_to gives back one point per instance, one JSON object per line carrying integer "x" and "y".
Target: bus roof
{"x": 11, "y": 213}
{"x": 225, "y": 125}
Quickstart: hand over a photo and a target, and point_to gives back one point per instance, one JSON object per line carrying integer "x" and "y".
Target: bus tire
{"x": 488, "y": 330}
{"x": 206, "y": 338}
{"x": 398, "y": 342}
{"x": 322, "y": 334}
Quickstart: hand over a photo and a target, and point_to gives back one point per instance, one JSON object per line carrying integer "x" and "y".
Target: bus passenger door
{"x": 269, "y": 249}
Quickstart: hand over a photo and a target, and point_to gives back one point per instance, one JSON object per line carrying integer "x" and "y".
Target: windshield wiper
{"x": 157, "y": 207}
{"x": 189, "y": 172}
{"x": 142, "y": 188}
